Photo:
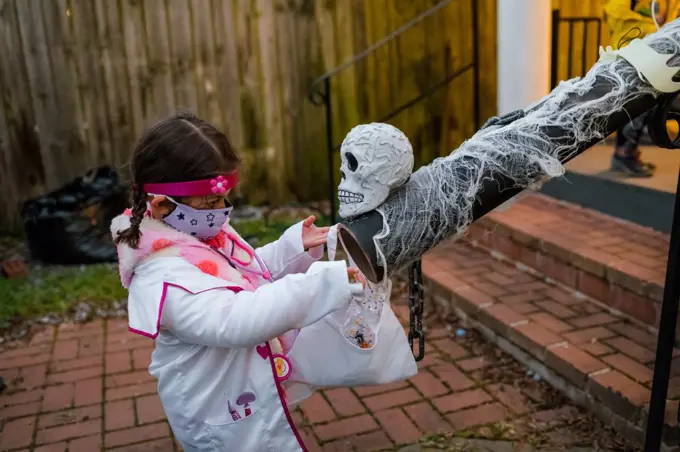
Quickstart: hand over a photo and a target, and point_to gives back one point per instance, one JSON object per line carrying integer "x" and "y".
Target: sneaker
{"x": 632, "y": 166}
{"x": 649, "y": 165}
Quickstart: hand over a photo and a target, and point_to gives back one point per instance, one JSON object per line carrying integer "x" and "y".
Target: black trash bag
{"x": 70, "y": 226}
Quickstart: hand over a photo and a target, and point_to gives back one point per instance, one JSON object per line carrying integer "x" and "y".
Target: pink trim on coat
{"x": 282, "y": 398}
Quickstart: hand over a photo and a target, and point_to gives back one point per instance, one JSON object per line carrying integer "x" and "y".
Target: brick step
{"x": 613, "y": 261}
{"x": 604, "y": 360}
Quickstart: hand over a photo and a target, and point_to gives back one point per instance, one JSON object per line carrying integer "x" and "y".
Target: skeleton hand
{"x": 504, "y": 120}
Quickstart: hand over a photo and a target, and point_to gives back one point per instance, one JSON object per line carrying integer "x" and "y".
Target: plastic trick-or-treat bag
{"x": 362, "y": 345}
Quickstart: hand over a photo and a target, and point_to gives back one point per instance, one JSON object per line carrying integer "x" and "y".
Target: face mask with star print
{"x": 202, "y": 224}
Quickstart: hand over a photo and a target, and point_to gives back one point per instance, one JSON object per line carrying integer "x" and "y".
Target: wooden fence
{"x": 80, "y": 79}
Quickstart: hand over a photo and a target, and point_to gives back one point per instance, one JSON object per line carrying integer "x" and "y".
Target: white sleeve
{"x": 287, "y": 254}
{"x": 224, "y": 318}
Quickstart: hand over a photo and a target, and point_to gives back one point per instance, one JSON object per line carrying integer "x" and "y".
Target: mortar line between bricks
{"x": 175, "y": 447}
{"x": 322, "y": 394}
{"x": 105, "y": 348}
{"x": 403, "y": 411}
{"x": 500, "y": 257}
{"x": 563, "y": 344}
{"x": 53, "y": 344}
{"x": 599, "y": 372}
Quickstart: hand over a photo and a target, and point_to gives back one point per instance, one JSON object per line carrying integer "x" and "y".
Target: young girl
{"x": 223, "y": 316}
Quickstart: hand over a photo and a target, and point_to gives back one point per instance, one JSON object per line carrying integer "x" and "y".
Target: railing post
{"x": 665, "y": 339}
{"x": 320, "y": 94}
{"x": 329, "y": 146}
{"x": 555, "y": 47}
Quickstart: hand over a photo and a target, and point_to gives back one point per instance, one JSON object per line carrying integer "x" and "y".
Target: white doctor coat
{"x": 213, "y": 362}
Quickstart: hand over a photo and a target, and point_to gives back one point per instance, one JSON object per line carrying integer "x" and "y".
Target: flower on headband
{"x": 218, "y": 185}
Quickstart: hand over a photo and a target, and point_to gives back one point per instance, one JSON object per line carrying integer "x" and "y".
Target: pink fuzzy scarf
{"x": 159, "y": 239}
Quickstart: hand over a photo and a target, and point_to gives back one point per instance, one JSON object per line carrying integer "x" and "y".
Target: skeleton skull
{"x": 376, "y": 158}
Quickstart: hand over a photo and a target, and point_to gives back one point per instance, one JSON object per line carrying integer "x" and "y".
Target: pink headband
{"x": 205, "y": 187}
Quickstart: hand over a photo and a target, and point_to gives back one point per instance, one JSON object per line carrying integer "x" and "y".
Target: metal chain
{"x": 415, "y": 308}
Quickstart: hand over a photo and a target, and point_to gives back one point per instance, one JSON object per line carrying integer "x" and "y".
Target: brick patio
{"x": 86, "y": 388}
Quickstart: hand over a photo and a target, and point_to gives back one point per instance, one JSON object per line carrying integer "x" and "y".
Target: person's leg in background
{"x": 626, "y": 158}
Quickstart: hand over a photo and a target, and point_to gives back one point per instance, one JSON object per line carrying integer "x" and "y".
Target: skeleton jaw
{"x": 347, "y": 197}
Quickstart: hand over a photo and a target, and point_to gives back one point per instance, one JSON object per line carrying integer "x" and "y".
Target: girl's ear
{"x": 160, "y": 206}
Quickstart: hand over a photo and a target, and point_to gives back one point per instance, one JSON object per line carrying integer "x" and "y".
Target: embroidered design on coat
{"x": 244, "y": 400}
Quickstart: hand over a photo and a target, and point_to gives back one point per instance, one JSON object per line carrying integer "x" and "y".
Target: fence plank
{"x": 488, "y": 69}
{"x": 253, "y": 132}
{"x": 286, "y": 50}
{"x": 133, "y": 64}
{"x": 82, "y": 79}
{"x": 411, "y": 58}
{"x": 92, "y": 89}
{"x": 271, "y": 99}
{"x": 59, "y": 38}
{"x": 205, "y": 56}
{"x": 182, "y": 56}
{"x": 117, "y": 80}
{"x": 227, "y": 69}
{"x": 155, "y": 14}
{"x": 23, "y": 154}
{"x": 9, "y": 185}
{"x": 383, "y": 71}
{"x": 197, "y": 69}
{"x": 38, "y": 71}
{"x": 361, "y": 69}
{"x": 309, "y": 128}
{"x": 347, "y": 81}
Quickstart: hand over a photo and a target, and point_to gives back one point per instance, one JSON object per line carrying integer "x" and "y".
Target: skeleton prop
{"x": 376, "y": 159}
{"x": 513, "y": 153}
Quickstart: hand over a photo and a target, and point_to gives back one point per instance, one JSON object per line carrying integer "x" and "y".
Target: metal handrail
{"x": 368, "y": 51}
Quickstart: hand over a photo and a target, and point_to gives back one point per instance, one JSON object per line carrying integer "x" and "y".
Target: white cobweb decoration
{"x": 437, "y": 203}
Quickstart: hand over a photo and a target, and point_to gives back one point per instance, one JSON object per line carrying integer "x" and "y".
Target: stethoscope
{"x": 245, "y": 266}
{"x": 282, "y": 365}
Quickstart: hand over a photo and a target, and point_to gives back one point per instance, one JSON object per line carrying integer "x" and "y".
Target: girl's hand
{"x": 313, "y": 236}
{"x": 361, "y": 279}
{"x": 355, "y": 276}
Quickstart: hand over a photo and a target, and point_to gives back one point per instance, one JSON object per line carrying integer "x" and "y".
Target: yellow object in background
{"x": 622, "y": 20}
{"x": 673, "y": 128}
